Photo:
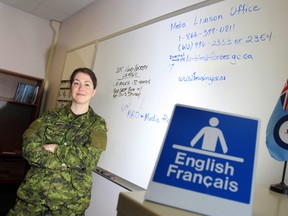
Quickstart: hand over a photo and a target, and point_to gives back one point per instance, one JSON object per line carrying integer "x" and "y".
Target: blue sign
{"x": 209, "y": 152}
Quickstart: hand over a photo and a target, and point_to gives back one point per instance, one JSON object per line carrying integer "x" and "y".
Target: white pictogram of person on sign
{"x": 211, "y": 134}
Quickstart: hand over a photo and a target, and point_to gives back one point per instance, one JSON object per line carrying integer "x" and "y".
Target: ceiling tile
{"x": 50, "y": 9}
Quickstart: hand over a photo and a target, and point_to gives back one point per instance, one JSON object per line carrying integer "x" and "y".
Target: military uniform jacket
{"x": 62, "y": 179}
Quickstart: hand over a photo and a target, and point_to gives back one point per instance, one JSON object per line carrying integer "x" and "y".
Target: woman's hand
{"x": 50, "y": 147}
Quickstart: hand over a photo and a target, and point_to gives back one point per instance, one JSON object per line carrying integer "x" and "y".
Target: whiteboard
{"x": 229, "y": 56}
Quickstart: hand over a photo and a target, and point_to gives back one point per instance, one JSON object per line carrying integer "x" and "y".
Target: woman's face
{"x": 82, "y": 89}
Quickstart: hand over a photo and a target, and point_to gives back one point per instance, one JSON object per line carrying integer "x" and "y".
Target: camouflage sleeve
{"x": 85, "y": 157}
{"x": 33, "y": 151}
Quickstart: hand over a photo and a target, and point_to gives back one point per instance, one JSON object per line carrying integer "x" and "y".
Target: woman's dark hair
{"x": 86, "y": 71}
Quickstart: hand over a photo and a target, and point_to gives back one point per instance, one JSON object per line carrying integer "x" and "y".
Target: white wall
{"x": 104, "y": 197}
{"x": 106, "y": 17}
{"x": 25, "y": 41}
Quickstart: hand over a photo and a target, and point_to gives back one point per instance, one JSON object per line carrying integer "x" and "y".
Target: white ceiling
{"x": 58, "y": 10}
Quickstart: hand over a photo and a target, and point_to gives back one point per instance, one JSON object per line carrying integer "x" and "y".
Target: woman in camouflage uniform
{"x": 62, "y": 147}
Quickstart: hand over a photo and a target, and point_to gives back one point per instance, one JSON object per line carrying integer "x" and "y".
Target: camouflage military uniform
{"x": 60, "y": 183}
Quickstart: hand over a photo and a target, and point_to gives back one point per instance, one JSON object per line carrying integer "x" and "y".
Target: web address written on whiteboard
{"x": 207, "y": 78}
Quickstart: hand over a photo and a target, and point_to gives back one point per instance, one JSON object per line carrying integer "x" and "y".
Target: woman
{"x": 63, "y": 147}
